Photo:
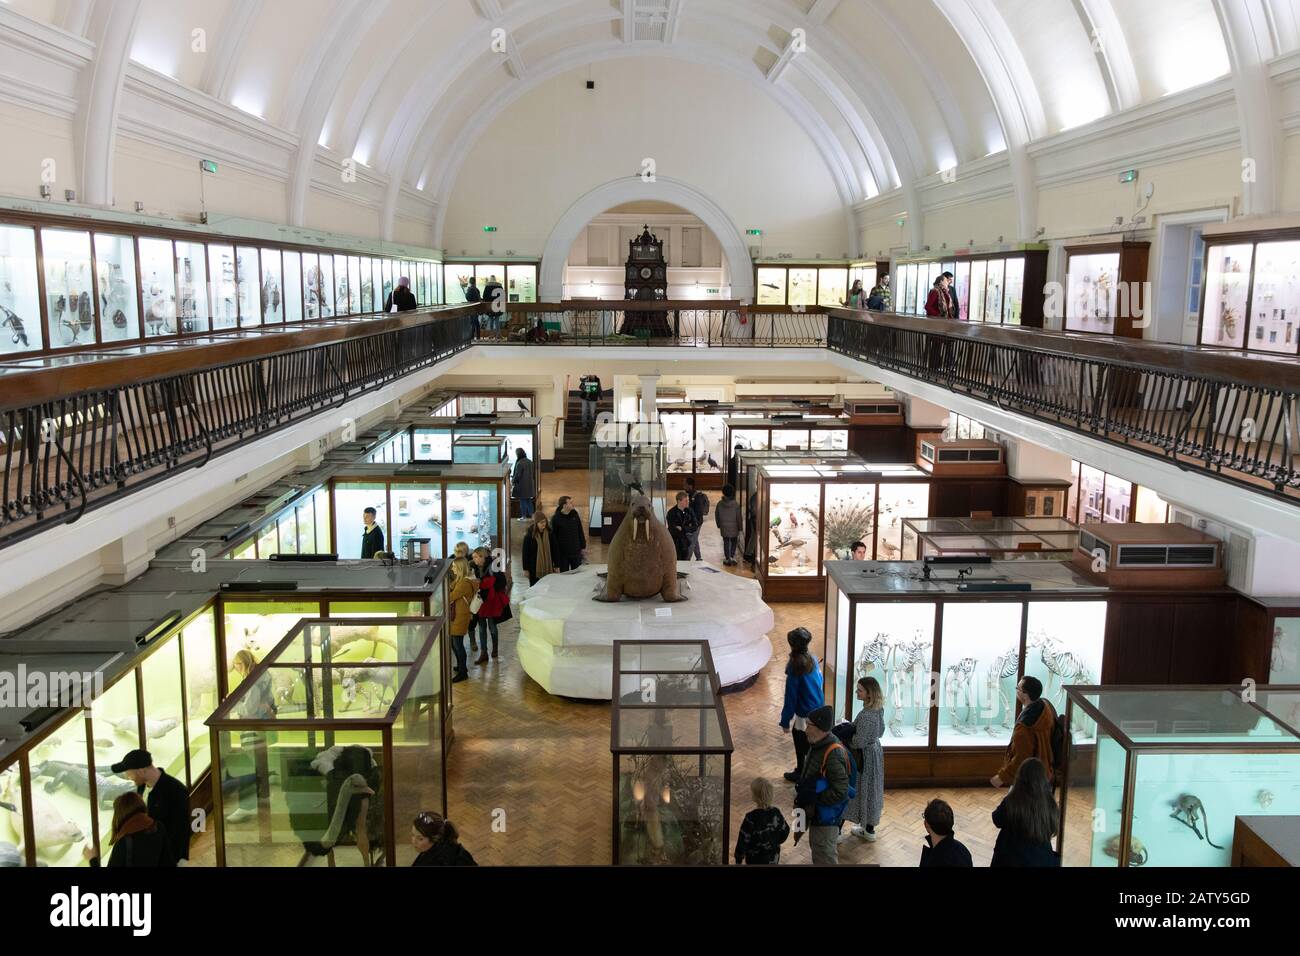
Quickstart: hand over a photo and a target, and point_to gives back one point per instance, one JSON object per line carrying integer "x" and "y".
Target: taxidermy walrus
{"x": 642, "y": 559}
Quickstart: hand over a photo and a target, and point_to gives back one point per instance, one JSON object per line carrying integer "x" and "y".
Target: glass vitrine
{"x": 787, "y": 434}
{"x": 157, "y": 286}
{"x": 1170, "y": 770}
{"x": 69, "y": 291}
{"x": 464, "y": 503}
{"x": 21, "y": 328}
{"x": 249, "y": 275}
{"x": 1092, "y": 292}
{"x": 671, "y": 751}
{"x": 192, "y": 302}
{"x": 808, "y": 513}
{"x": 1251, "y": 294}
{"x": 273, "y": 286}
{"x": 948, "y": 661}
{"x": 618, "y": 473}
{"x": 225, "y": 293}
{"x": 997, "y": 538}
{"x": 477, "y": 449}
{"x": 352, "y": 751}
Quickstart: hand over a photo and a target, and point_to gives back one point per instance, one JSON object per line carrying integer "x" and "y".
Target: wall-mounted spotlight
{"x": 70, "y": 195}
{"x": 46, "y": 191}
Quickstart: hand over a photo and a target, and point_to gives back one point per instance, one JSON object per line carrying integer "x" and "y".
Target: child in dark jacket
{"x": 803, "y": 695}
{"x": 764, "y": 828}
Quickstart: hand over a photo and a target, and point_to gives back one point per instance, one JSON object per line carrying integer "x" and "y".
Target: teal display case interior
{"x": 1158, "y": 775}
{"x": 353, "y": 749}
{"x": 948, "y": 661}
{"x": 672, "y": 752}
{"x": 471, "y": 448}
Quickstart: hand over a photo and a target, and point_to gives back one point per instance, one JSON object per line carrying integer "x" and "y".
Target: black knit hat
{"x": 822, "y": 717}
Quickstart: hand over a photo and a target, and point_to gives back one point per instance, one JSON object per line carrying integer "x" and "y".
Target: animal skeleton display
{"x": 958, "y": 693}
{"x": 1065, "y": 667}
{"x": 1004, "y": 665}
{"x": 1190, "y": 812}
{"x": 900, "y": 664}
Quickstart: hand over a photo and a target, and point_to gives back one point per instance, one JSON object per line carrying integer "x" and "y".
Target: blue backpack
{"x": 830, "y": 815}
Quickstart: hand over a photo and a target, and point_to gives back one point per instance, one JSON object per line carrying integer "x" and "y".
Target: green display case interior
{"x": 345, "y": 724}
{"x": 672, "y": 756}
{"x": 1170, "y": 770}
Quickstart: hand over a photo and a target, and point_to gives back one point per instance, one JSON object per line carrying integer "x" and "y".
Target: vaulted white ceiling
{"x": 892, "y": 91}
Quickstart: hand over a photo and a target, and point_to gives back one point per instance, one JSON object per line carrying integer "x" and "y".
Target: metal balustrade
{"x": 662, "y": 324}
{"x": 62, "y": 455}
{"x": 1227, "y": 415}
{"x": 73, "y": 436}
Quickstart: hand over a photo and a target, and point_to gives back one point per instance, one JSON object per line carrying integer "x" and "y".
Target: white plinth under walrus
{"x": 566, "y": 640}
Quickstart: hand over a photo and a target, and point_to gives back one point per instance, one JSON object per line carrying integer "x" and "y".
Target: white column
{"x": 125, "y": 558}
{"x": 625, "y": 401}
{"x": 925, "y": 415}
{"x": 649, "y": 397}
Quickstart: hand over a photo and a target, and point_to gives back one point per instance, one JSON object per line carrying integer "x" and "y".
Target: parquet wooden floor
{"x": 541, "y": 765}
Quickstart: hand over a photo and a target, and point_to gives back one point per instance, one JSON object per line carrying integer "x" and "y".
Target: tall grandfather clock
{"x": 645, "y": 280}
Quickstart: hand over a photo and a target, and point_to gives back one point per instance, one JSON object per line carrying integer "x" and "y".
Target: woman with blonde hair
{"x": 868, "y": 727}
{"x": 539, "y": 548}
{"x": 462, "y": 590}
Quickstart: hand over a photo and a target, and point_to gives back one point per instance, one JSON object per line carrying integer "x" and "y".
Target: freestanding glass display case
{"x": 810, "y": 514}
{"x": 672, "y": 755}
{"x": 998, "y": 538}
{"x": 695, "y": 436}
{"x": 333, "y": 744}
{"x": 433, "y": 440}
{"x": 1157, "y": 776}
{"x": 617, "y": 473}
{"x": 466, "y": 503}
{"x": 887, "y": 620}
{"x": 478, "y": 450}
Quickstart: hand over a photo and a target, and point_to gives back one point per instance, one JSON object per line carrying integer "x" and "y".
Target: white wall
{"x": 705, "y": 128}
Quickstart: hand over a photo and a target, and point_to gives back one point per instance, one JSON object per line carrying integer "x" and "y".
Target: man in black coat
{"x": 570, "y": 542}
{"x": 494, "y": 304}
{"x": 168, "y": 802}
{"x": 682, "y": 525}
{"x": 372, "y": 536}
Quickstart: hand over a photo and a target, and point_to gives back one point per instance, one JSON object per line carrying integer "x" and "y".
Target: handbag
{"x": 476, "y": 604}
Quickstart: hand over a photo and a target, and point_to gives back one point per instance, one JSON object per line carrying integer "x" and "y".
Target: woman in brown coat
{"x": 463, "y": 588}
{"x": 1032, "y": 734}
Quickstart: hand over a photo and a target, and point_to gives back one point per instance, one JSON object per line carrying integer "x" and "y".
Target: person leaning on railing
{"x": 401, "y": 299}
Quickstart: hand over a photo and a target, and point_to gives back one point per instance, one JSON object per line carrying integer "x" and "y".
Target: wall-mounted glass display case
{"x": 672, "y": 756}
{"x": 352, "y": 753}
{"x": 123, "y": 283}
{"x": 1157, "y": 776}
{"x": 617, "y": 471}
{"x": 466, "y": 503}
{"x": 1251, "y": 295}
{"x": 1104, "y": 290}
{"x": 811, "y": 283}
{"x": 997, "y": 538}
{"x": 518, "y": 278}
{"x": 888, "y": 621}
{"x": 1001, "y": 288}
{"x": 787, "y": 434}
{"x": 500, "y": 404}
{"x": 815, "y": 513}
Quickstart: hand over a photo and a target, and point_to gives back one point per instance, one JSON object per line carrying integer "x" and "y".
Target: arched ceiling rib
{"x": 880, "y": 85}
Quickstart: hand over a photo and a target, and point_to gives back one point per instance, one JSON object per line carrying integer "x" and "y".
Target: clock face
{"x": 646, "y": 272}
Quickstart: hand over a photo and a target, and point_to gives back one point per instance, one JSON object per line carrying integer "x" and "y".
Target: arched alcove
{"x": 635, "y": 189}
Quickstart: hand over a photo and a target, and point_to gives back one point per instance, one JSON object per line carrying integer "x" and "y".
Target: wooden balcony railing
{"x": 77, "y": 431}
{"x": 1212, "y": 410}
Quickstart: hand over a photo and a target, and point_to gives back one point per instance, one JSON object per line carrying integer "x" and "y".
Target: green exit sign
{"x": 1128, "y": 176}
{"x": 753, "y": 232}
{"x": 489, "y": 228}
{"x": 712, "y": 291}
{"x": 207, "y": 165}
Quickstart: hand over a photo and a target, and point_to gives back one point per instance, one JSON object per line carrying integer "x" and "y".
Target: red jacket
{"x": 940, "y": 305}
{"x": 494, "y": 588}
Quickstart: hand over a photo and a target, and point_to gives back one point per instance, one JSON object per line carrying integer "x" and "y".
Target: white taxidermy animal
{"x": 53, "y": 832}
{"x": 382, "y": 679}
{"x": 153, "y": 729}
